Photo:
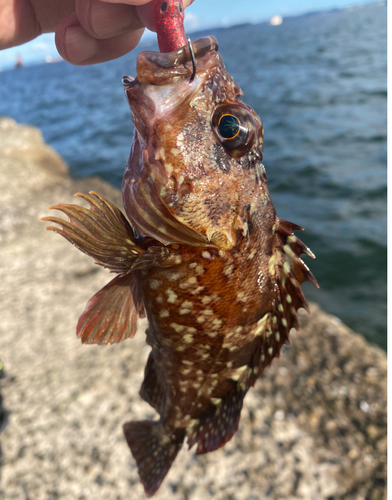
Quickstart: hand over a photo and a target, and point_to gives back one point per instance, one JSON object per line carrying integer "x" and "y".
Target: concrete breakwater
{"x": 313, "y": 427}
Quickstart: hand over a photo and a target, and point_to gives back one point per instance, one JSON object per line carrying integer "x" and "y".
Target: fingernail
{"x": 79, "y": 45}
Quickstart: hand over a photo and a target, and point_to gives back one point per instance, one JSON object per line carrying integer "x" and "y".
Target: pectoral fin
{"x": 111, "y": 314}
{"x": 102, "y": 232}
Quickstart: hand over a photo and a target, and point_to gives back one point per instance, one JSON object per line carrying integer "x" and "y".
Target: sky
{"x": 200, "y": 15}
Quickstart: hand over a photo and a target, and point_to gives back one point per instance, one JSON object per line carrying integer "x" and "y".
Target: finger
{"x": 76, "y": 46}
{"x": 105, "y": 20}
{"x": 18, "y": 24}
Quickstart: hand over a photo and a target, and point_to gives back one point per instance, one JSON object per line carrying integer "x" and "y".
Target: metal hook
{"x": 193, "y": 60}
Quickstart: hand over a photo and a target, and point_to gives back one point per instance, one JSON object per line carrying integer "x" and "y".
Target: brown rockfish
{"x": 203, "y": 255}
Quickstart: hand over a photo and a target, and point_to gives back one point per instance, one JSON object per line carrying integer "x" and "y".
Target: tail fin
{"x": 154, "y": 451}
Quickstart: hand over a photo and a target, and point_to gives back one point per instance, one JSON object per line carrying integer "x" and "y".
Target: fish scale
{"x": 202, "y": 254}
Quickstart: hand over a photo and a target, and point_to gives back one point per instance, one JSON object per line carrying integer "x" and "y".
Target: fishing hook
{"x": 193, "y": 60}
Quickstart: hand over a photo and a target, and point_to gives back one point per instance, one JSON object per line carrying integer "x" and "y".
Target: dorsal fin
{"x": 288, "y": 272}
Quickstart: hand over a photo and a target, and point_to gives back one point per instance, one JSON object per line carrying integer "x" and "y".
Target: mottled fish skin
{"x": 217, "y": 273}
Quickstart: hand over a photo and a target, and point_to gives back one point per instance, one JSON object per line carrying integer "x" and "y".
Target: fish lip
{"x": 129, "y": 81}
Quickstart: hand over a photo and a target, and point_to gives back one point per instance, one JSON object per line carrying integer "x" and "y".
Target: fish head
{"x": 195, "y": 163}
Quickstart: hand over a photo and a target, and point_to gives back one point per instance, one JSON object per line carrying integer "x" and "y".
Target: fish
{"x": 200, "y": 252}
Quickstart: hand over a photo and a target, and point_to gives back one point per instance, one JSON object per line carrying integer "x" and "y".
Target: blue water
{"x": 318, "y": 83}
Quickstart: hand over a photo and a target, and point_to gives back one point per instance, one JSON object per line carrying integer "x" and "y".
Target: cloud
{"x": 41, "y": 46}
{"x": 192, "y": 22}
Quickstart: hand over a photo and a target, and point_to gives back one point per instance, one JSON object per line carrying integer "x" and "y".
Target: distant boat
{"x": 51, "y": 59}
{"x": 276, "y": 20}
{"x": 19, "y": 61}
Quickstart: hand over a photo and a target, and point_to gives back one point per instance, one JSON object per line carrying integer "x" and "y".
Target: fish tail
{"x": 154, "y": 450}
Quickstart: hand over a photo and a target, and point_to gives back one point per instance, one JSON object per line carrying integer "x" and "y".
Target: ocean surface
{"x": 318, "y": 82}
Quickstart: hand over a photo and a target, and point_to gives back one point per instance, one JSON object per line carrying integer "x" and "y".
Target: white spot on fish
{"x": 177, "y": 328}
{"x": 199, "y": 270}
{"x": 171, "y": 296}
{"x": 228, "y": 270}
{"x": 252, "y": 254}
{"x": 174, "y": 276}
{"x": 206, "y": 255}
{"x": 155, "y": 284}
{"x": 164, "y": 313}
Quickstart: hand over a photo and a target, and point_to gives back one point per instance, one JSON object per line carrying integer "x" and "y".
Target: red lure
{"x": 169, "y": 24}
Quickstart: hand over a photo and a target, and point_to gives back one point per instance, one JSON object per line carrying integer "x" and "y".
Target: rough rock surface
{"x": 313, "y": 427}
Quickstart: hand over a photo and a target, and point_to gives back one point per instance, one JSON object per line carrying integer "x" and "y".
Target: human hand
{"x": 87, "y": 31}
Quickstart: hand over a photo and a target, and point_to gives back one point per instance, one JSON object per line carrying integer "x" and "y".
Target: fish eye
{"x": 229, "y": 127}
{"x": 163, "y": 6}
{"x": 180, "y": 8}
{"x": 234, "y": 128}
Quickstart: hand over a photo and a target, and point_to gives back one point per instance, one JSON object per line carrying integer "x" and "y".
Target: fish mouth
{"x": 149, "y": 62}
{"x": 152, "y": 93}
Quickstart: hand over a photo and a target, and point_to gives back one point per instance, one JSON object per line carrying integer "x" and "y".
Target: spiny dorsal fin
{"x": 288, "y": 271}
